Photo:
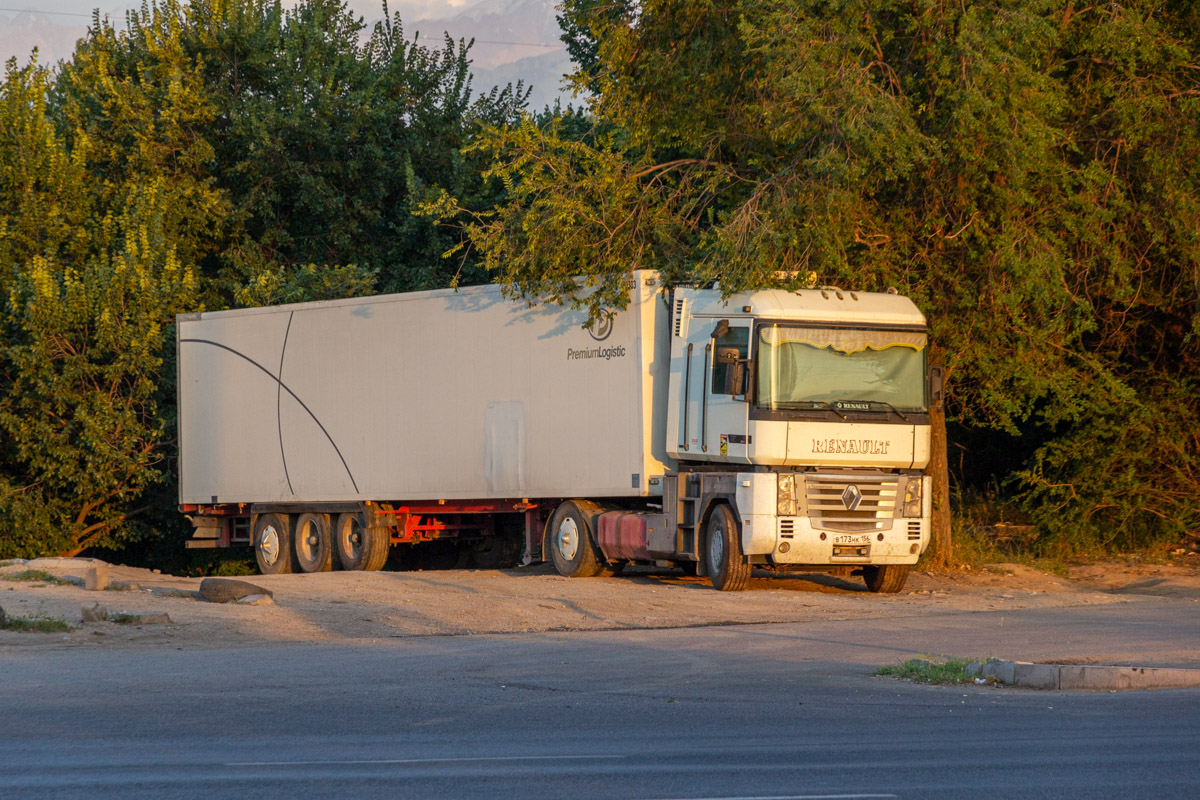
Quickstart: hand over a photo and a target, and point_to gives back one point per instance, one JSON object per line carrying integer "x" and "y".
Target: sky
{"x": 82, "y": 9}
{"x": 514, "y": 39}
{"x": 63, "y": 21}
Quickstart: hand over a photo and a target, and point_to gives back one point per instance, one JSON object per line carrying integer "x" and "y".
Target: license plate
{"x": 852, "y": 538}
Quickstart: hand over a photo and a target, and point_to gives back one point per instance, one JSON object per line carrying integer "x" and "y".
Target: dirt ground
{"x": 358, "y": 606}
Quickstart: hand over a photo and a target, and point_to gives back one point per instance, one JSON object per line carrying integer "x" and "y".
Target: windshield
{"x": 843, "y": 370}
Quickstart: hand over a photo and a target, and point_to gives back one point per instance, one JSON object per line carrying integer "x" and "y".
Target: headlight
{"x": 786, "y": 497}
{"x": 912, "y": 497}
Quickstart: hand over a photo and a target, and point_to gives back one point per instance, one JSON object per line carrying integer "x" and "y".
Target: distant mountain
{"x": 24, "y": 31}
{"x": 514, "y": 40}
{"x": 544, "y": 74}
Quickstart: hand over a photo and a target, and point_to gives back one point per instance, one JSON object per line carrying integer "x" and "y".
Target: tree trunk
{"x": 939, "y": 470}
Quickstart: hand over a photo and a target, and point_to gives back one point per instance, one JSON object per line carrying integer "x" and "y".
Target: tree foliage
{"x": 1027, "y": 170}
{"x": 91, "y": 281}
{"x": 205, "y": 155}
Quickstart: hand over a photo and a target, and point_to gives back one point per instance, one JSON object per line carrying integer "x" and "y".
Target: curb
{"x": 1089, "y": 677}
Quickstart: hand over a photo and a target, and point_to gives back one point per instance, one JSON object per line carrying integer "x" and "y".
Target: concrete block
{"x": 1101, "y": 678}
{"x": 1000, "y": 670}
{"x": 96, "y": 578}
{"x": 1035, "y": 676}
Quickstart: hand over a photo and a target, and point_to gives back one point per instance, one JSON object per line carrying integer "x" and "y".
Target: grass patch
{"x": 936, "y": 671}
{"x": 38, "y": 575}
{"x": 38, "y": 624}
{"x": 123, "y": 618}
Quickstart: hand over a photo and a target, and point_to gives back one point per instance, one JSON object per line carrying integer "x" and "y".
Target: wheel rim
{"x": 307, "y": 543}
{"x": 268, "y": 545}
{"x": 716, "y": 546}
{"x": 351, "y": 539}
{"x": 567, "y": 538}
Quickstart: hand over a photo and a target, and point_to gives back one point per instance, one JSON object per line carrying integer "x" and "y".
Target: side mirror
{"x": 937, "y": 383}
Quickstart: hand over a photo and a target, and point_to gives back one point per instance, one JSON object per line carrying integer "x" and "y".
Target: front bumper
{"x": 811, "y": 539}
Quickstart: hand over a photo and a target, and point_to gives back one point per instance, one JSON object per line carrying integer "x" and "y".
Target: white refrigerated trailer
{"x": 770, "y": 429}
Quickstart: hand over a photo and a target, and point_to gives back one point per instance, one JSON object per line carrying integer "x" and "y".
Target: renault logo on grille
{"x": 851, "y": 497}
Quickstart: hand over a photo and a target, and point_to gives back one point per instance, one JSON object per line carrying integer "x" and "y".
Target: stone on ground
{"x": 225, "y": 590}
{"x": 94, "y": 613}
{"x": 144, "y": 618}
{"x": 255, "y": 600}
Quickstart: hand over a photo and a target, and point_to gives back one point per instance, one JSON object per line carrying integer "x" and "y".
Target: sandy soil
{"x": 356, "y": 606}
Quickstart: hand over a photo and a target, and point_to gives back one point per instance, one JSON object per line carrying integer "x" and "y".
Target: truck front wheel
{"x": 359, "y": 547}
{"x": 273, "y": 544}
{"x": 887, "y": 579}
{"x": 571, "y": 547}
{"x": 723, "y": 551}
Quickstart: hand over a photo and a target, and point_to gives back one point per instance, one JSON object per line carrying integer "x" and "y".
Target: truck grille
{"x": 851, "y": 502}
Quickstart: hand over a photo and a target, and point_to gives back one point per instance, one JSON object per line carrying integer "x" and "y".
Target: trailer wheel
{"x": 273, "y": 544}
{"x": 359, "y": 547}
{"x": 570, "y": 540}
{"x": 313, "y": 543}
{"x": 723, "y": 551}
{"x": 488, "y": 553}
{"x": 886, "y": 579}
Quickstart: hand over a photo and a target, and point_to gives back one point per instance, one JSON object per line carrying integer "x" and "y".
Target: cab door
{"x": 724, "y": 419}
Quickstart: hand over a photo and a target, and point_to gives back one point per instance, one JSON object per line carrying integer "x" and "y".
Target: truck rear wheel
{"x": 359, "y": 547}
{"x": 273, "y": 544}
{"x": 723, "y": 552}
{"x": 570, "y": 540}
{"x": 314, "y": 544}
{"x": 886, "y": 579}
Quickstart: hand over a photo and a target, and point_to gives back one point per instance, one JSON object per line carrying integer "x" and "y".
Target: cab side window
{"x": 730, "y": 351}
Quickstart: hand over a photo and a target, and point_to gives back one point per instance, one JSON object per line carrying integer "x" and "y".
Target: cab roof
{"x": 808, "y": 305}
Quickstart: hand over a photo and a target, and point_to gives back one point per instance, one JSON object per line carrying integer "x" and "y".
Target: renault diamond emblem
{"x": 851, "y": 497}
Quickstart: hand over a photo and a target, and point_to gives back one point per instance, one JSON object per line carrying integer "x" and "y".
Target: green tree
{"x": 89, "y": 296}
{"x": 222, "y": 152}
{"x": 1027, "y": 170}
{"x": 307, "y": 143}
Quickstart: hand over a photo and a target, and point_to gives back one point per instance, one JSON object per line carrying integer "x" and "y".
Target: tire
{"x": 887, "y": 579}
{"x": 313, "y": 543}
{"x": 440, "y": 554}
{"x": 488, "y": 553}
{"x": 359, "y": 547}
{"x": 273, "y": 544}
{"x": 569, "y": 538}
{"x": 723, "y": 552}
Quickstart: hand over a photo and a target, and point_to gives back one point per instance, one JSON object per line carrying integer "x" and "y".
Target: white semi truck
{"x": 775, "y": 430}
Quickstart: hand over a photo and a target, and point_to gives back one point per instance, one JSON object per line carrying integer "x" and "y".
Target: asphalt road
{"x": 764, "y": 711}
